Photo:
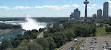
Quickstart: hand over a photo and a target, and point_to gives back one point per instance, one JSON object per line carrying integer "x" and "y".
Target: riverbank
{"x": 10, "y": 31}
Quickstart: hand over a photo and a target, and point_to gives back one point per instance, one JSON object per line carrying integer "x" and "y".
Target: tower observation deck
{"x": 86, "y": 2}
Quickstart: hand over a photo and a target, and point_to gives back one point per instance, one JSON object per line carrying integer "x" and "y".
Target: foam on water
{"x": 32, "y": 24}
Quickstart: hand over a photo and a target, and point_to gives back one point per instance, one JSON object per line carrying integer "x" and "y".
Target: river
{"x": 9, "y": 35}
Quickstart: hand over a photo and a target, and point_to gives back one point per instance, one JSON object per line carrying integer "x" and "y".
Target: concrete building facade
{"x": 99, "y": 14}
{"x": 105, "y": 10}
{"x": 76, "y": 14}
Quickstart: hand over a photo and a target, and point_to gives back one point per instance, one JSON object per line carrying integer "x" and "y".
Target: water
{"x": 32, "y": 24}
{"x": 9, "y": 35}
{"x": 28, "y": 25}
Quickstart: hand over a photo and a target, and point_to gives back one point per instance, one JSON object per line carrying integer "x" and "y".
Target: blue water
{"x": 9, "y": 35}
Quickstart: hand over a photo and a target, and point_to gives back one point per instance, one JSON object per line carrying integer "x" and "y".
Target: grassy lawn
{"x": 100, "y": 31}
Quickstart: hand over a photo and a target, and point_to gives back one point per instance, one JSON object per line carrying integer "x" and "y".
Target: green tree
{"x": 43, "y": 43}
{"x": 59, "y": 38}
{"x": 51, "y": 43}
{"x": 108, "y": 29}
{"x": 34, "y": 46}
{"x": 5, "y": 44}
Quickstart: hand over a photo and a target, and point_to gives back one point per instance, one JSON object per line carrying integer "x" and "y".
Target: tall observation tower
{"x": 86, "y": 2}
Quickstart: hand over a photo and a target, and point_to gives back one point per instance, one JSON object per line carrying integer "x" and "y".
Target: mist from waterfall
{"x": 32, "y": 24}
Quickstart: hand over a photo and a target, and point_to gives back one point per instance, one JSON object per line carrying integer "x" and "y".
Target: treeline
{"x": 49, "y": 19}
{"x": 13, "y": 19}
{"x": 62, "y": 32}
{"x": 102, "y": 21}
{"x": 39, "y": 19}
{"x": 9, "y": 26}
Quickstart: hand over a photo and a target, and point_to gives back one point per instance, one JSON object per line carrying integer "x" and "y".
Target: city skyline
{"x": 48, "y": 8}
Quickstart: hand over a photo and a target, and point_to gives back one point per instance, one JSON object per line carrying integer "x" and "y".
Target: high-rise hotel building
{"x": 99, "y": 13}
{"x": 75, "y": 14}
{"x": 105, "y": 9}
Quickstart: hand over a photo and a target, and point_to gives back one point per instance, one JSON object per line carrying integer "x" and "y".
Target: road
{"x": 100, "y": 42}
{"x": 69, "y": 45}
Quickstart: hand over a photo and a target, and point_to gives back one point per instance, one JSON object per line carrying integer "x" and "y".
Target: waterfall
{"x": 32, "y": 24}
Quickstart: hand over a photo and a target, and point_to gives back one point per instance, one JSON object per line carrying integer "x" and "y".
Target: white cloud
{"x": 66, "y": 6}
{"x": 4, "y": 7}
{"x": 28, "y": 7}
{"x": 90, "y": 7}
{"x": 38, "y": 7}
{"x": 94, "y": 5}
{"x": 75, "y": 5}
{"x": 46, "y": 7}
{"x": 49, "y": 6}
{"x": 21, "y": 7}
{"x": 54, "y": 7}
{"x": 83, "y": 4}
{"x": 109, "y": 1}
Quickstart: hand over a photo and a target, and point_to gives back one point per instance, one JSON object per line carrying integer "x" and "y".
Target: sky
{"x": 48, "y": 8}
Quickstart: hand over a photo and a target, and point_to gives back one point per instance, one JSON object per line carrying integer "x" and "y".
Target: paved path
{"x": 40, "y": 35}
